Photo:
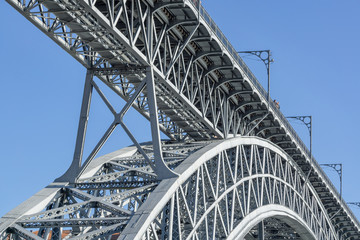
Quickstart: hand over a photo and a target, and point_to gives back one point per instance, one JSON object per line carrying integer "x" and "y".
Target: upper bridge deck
{"x": 204, "y": 89}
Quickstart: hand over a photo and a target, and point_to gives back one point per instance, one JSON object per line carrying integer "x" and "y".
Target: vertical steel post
{"x": 161, "y": 168}
{"x": 267, "y": 62}
{"x": 338, "y": 168}
{"x": 311, "y": 157}
{"x": 341, "y": 174}
{"x": 268, "y": 75}
{"x": 74, "y": 168}
{"x": 309, "y": 126}
{"x": 84, "y": 117}
{"x": 261, "y": 231}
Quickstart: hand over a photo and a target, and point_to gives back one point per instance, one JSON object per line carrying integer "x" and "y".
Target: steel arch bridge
{"x": 233, "y": 167}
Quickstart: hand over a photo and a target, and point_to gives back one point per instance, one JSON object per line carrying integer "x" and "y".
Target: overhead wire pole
{"x": 307, "y": 120}
{"x": 266, "y": 60}
{"x": 338, "y": 167}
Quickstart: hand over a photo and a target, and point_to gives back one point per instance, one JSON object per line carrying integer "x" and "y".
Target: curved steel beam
{"x": 217, "y": 67}
{"x": 227, "y": 80}
{"x": 195, "y": 174}
{"x": 181, "y": 22}
{"x": 208, "y": 53}
{"x": 246, "y": 103}
{"x": 239, "y": 92}
{"x": 266, "y": 128}
{"x": 254, "y": 111}
{"x": 262, "y": 213}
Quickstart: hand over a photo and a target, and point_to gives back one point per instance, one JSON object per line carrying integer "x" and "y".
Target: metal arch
{"x": 239, "y": 92}
{"x": 276, "y": 134}
{"x": 181, "y": 22}
{"x": 227, "y": 80}
{"x": 198, "y": 183}
{"x": 217, "y": 67}
{"x": 203, "y": 38}
{"x": 206, "y": 53}
{"x": 97, "y": 28}
{"x": 280, "y": 212}
{"x": 267, "y": 128}
{"x": 245, "y": 103}
{"x": 99, "y": 203}
{"x": 159, "y": 5}
{"x": 246, "y": 114}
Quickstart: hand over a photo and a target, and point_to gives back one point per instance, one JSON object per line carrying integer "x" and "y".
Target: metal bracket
{"x": 338, "y": 167}
{"x": 266, "y": 60}
{"x": 354, "y": 203}
{"x": 307, "y": 120}
{"x": 259, "y": 53}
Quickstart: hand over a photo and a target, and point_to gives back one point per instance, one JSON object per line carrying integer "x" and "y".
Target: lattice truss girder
{"x": 222, "y": 192}
{"x": 217, "y": 191}
{"x": 99, "y": 204}
{"x": 202, "y": 93}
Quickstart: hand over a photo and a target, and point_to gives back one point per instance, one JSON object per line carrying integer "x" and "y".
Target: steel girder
{"x": 193, "y": 64}
{"x": 99, "y": 204}
{"x": 224, "y": 189}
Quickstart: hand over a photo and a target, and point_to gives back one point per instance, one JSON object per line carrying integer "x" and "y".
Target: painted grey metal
{"x": 225, "y": 188}
{"x": 338, "y": 167}
{"x": 90, "y": 207}
{"x": 75, "y": 166}
{"x": 267, "y": 61}
{"x": 161, "y": 170}
{"x": 200, "y": 90}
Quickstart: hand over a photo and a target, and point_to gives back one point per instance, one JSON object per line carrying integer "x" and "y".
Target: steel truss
{"x": 170, "y": 61}
{"x": 99, "y": 203}
{"x": 224, "y": 189}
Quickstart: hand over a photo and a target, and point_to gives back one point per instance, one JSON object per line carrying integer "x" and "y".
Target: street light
{"x": 307, "y": 120}
{"x": 266, "y": 60}
{"x": 338, "y": 167}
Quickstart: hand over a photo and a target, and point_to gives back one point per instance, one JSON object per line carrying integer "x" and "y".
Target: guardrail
{"x": 216, "y": 30}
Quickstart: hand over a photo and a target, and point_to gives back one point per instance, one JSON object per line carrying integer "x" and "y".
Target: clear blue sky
{"x": 316, "y": 72}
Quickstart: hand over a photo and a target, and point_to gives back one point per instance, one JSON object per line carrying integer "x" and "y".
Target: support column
{"x": 161, "y": 168}
{"x": 261, "y": 231}
{"x": 74, "y": 168}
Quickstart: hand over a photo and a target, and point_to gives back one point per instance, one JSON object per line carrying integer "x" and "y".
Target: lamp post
{"x": 338, "y": 167}
{"x": 266, "y": 60}
{"x": 307, "y": 120}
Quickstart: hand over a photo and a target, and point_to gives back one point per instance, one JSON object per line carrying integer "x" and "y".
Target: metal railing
{"x": 216, "y": 30}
